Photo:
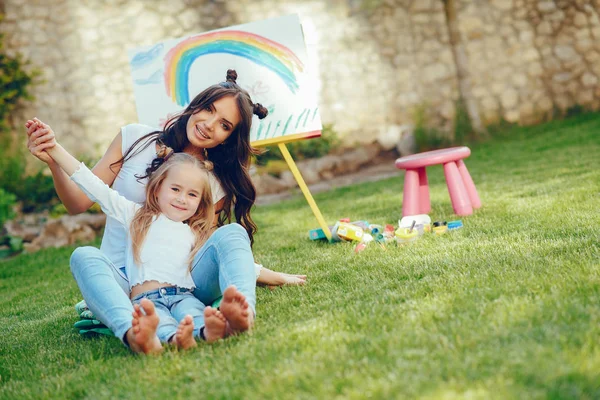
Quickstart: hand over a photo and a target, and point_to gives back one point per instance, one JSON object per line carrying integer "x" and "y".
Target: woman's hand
{"x": 39, "y": 138}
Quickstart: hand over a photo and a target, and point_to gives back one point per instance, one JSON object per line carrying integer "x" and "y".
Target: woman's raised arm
{"x": 74, "y": 200}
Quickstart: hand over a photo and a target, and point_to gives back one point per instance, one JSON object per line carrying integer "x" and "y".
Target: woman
{"x": 215, "y": 126}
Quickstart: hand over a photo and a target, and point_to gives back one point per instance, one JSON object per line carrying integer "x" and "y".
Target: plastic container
{"x": 405, "y": 235}
{"x": 422, "y": 219}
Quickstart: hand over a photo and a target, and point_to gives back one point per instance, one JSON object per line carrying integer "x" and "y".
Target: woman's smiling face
{"x": 212, "y": 125}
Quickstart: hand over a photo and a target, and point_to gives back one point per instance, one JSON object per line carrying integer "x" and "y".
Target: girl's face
{"x": 211, "y": 126}
{"x": 179, "y": 194}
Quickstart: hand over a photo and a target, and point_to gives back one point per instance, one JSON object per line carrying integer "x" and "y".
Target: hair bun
{"x": 208, "y": 165}
{"x": 231, "y": 76}
{"x": 260, "y": 110}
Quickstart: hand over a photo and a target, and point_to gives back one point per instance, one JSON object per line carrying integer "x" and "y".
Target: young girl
{"x": 164, "y": 234}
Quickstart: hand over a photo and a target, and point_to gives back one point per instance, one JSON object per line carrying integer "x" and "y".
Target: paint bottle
{"x": 440, "y": 227}
{"x": 348, "y": 231}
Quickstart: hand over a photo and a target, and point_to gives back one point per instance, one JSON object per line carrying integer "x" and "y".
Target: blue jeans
{"x": 172, "y": 304}
{"x": 225, "y": 259}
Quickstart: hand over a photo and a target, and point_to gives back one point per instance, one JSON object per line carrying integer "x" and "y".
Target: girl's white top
{"x": 126, "y": 183}
{"x": 166, "y": 249}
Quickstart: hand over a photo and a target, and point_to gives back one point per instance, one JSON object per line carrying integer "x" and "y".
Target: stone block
{"x": 519, "y": 79}
{"x": 309, "y": 172}
{"x": 407, "y": 144}
{"x": 565, "y": 52}
{"x": 509, "y": 98}
{"x": 512, "y": 116}
{"x": 544, "y": 28}
{"x": 545, "y": 104}
{"x": 584, "y": 45}
{"x": 589, "y": 80}
{"x": 432, "y": 73}
{"x": 326, "y": 164}
{"x": 531, "y": 54}
{"x": 563, "y": 101}
{"x": 503, "y": 5}
{"x": 585, "y": 96}
{"x": 267, "y": 184}
{"x": 562, "y": 77}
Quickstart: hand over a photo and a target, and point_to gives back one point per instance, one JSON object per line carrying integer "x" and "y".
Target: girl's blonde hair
{"x": 201, "y": 223}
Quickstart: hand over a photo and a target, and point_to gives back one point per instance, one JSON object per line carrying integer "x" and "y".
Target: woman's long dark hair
{"x": 231, "y": 159}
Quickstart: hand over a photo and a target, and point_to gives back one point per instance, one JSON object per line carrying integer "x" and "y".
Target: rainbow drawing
{"x": 256, "y": 48}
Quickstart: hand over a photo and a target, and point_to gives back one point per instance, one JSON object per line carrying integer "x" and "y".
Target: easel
{"x": 296, "y": 173}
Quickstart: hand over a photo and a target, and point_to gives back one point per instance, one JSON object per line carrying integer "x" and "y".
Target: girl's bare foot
{"x": 236, "y": 310}
{"x": 215, "y": 324}
{"x": 142, "y": 335}
{"x": 184, "y": 337}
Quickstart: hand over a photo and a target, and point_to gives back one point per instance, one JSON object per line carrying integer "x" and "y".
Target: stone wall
{"x": 378, "y": 60}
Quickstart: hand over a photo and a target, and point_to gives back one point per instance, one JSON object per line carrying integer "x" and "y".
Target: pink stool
{"x": 463, "y": 193}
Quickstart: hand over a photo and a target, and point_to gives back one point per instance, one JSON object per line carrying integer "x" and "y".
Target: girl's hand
{"x": 39, "y": 138}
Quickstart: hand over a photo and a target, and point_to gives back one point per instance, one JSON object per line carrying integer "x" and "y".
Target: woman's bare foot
{"x": 236, "y": 310}
{"x": 215, "y": 324}
{"x": 142, "y": 335}
{"x": 273, "y": 279}
{"x": 289, "y": 279}
{"x": 184, "y": 337}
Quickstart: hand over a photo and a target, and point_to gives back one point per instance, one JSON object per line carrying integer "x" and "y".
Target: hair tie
{"x": 164, "y": 152}
{"x": 208, "y": 165}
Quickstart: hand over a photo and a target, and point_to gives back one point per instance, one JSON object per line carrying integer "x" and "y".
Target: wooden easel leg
{"x": 311, "y": 202}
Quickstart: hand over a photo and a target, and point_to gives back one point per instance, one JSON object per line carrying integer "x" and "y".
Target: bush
{"x": 15, "y": 82}
{"x": 36, "y": 191}
{"x": 463, "y": 129}
{"x": 303, "y": 149}
{"x": 426, "y": 137}
{"x": 7, "y": 204}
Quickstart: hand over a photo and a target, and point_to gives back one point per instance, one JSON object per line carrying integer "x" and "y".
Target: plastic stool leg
{"x": 456, "y": 188}
{"x": 469, "y": 185}
{"x": 410, "y": 202}
{"x": 424, "y": 201}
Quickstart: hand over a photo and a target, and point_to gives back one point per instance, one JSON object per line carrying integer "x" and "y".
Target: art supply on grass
{"x": 421, "y": 219}
{"x": 405, "y": 235}
{"x": 412, "y": 226}
{"x": 453, "y": 225}
{"x": 364, "y": 225}
{"x": 440, "y": 227}
{"x": 334, "y": 235}
{"x": 360, "y": 247}
{"x": 316, "y": 234}
{"x": 375, "y": 229}
{"x": 348, "y": 231}
{"x": 409, "y": 230}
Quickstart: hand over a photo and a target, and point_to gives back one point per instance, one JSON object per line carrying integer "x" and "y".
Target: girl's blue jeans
{"x": 172, "y": 304}
{"x": 225, "y": 259}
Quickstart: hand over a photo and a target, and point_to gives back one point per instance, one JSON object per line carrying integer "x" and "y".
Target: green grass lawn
{"x": 507, "y": 307}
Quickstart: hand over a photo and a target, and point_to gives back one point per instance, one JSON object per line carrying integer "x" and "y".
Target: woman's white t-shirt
{"x": 114, "y": 241}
